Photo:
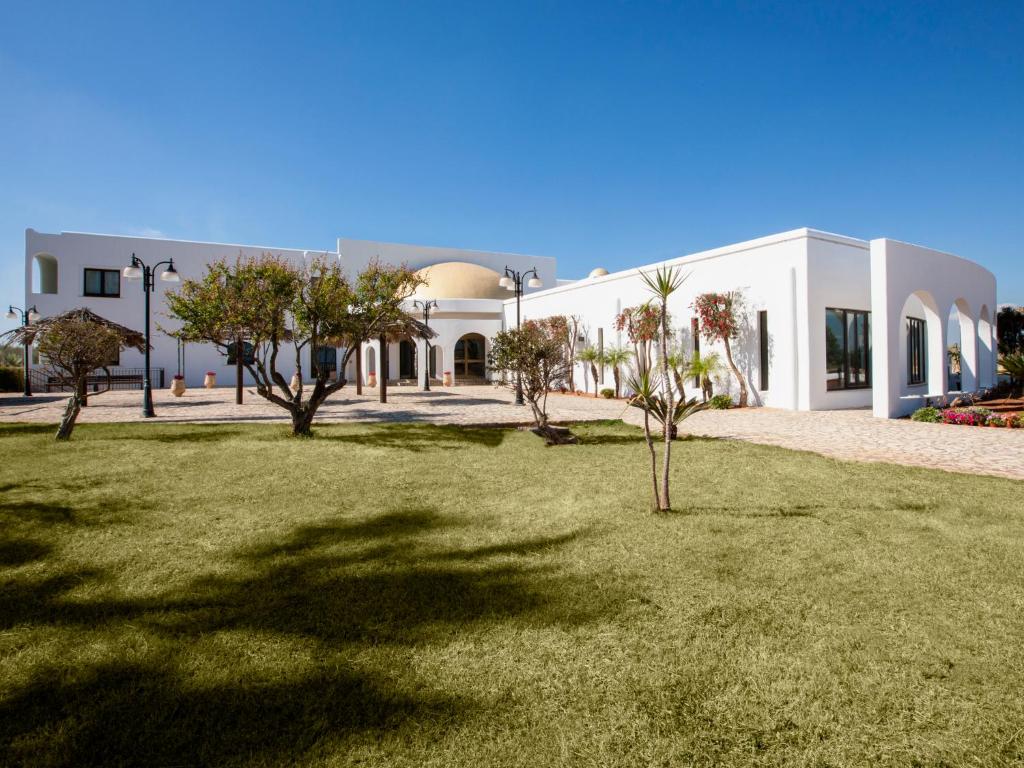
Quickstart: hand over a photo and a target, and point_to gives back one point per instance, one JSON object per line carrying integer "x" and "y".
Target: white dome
{"x": 598, "y": 272}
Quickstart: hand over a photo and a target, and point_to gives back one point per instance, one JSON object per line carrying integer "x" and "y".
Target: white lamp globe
{"x": 535, "y": 283}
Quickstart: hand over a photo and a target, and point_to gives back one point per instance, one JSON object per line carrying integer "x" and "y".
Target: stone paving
{"x": 853, "y": 435}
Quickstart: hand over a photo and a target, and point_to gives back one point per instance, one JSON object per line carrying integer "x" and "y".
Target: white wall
{"x": 770, "y": 273}
{"x": 838, "y": 277}
{"x": 921, "y": 282}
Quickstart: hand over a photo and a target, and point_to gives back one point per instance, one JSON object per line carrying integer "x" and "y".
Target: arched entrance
{"x": 922, "y": 351}
{"x": 960, "y": 348}
{"x": 986, "y": 349}
{"x": 470, "y": 363}
{"x": 406, "y": 359}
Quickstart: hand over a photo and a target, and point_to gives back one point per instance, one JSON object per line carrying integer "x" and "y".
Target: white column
{"x": 422, "y": 363}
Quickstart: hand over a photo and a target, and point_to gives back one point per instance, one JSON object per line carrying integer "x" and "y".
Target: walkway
{"x": 853, "y": 435}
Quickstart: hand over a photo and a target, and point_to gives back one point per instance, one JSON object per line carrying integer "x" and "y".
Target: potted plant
{"x": 447, "y": 381}
{"x": 371, "y": 380}
{"x": 295, "y": 381}
{"x": 211, "y": 380}
{"x": 178, "y": 385}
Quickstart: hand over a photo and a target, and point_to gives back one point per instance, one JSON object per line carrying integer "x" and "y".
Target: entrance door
{"x": 406, "y": 360}
{"x": 325, "y": 359}
{"x": 469, "y": 357}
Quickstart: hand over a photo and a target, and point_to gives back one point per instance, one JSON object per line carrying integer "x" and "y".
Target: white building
{"x": 827, "y": 321}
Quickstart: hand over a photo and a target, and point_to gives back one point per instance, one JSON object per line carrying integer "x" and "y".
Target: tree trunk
{"x": 615, "y": 375}
{"x": 67, "y": 422}
{"x": 302, "y": 421}
{"x": 359, "y": 369}
{"x": 654, "y": 459}
{"x": 736, "y": 373}
{"x": 593, "y": 371}
{"x": 679, "y": 383}
{"x": 707, "y": 389}
{"x": 667, "y": 424}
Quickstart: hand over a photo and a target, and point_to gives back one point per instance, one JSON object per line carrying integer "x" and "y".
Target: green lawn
{"x": 423, "y": 596}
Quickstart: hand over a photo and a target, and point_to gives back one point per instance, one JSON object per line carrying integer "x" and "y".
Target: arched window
{"x": 44, "y": 273}
{"x": 469, "y": 356}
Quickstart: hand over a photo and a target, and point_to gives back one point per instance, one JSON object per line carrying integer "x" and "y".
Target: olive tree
{"x": 535, "y": 353}
{"x": 72, "y": 347}
{"x": 282, "y": 309}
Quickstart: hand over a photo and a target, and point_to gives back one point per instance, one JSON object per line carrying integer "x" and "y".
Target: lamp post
{"x": 426, "y": 307}
{"x": 29, "y": 315}
{"x": 513, "y": 281}
{"x": 138, "y": 269}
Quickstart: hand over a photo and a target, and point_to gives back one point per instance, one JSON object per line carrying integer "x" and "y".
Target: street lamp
{"x": 29, "y": 315}
{"x": 513, "y": 281}
{"x": 426, "y": 306}
{"x": 138, "y": 269}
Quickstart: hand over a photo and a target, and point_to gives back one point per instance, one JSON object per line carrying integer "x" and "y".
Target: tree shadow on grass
{"x": 350, "y": 589}
{"x": 422, "y": 437}
{"x": 14, "y": 429}
{"x": 143, "y": 714}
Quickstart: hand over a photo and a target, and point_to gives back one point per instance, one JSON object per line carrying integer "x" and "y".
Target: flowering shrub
{"x": 971, "y": 417}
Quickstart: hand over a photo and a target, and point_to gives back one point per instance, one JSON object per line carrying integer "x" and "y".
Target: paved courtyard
{"x": 854, "y": 435}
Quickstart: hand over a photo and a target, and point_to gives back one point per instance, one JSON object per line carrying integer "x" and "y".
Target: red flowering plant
{"x": 641, "y": 326}
{"x": 718, "y": 314}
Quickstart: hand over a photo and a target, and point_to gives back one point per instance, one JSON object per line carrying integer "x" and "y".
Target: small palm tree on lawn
{"x": 677, "y": 364}
{"x": 617, "y": 358}
{"x": 591, "y": 356}
{"x": 704, "y": 368}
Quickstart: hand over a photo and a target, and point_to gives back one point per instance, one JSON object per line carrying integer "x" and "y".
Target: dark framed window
{"x": 102, "y": 282}
{"x": 248, "y": 356}
{"x": 695, "y": 332}
{"x": 917, "y": 334}
{"x": 762, "y": 336}
{"x": 323, "y": 358}
{"x": 847, "y": 349}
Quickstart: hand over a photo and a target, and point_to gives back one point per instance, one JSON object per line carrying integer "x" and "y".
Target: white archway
{"x": 962, "y": 332}
{"x": 44, "y": 273}
{"x": 986, "y": 349}
{"x": 930, "y": 380}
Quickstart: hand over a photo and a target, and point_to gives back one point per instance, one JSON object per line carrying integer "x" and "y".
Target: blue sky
{"x": 602, "y": 134}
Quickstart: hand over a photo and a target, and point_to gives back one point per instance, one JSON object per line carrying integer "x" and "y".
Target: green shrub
{"x": 927, "y": 414}
{"x": 11, "y": 379}
{"x": 720, "y": 402}
{"x": 608, "y": 393}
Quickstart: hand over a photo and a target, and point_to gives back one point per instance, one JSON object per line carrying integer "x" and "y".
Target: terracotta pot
{"x": 177, "y": 387}
{"x": 371, "y": 380}
{"x": 295, "y": 382}
{"x": 447, "y": 381}
{"x": 211, "y": 380}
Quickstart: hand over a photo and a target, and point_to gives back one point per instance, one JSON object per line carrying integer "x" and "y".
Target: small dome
{"x": 460, "y": 280}
{"x": 599, "y": 272}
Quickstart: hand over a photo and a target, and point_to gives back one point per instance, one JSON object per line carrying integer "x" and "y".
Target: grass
{"x": 395, "y": 595}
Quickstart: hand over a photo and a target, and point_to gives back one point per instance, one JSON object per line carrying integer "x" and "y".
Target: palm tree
{"x": 616, "y": 358}
{"x": 1013, "y": 364}
{"x": 677, "y": 364}
{"x": 591, "y": 356}
{"x": 704, "y": 368}
{"x": 662, "y": 284}
{"x": 645, "y": 386}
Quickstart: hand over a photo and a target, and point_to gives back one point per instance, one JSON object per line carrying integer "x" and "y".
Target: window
{"x": 847, "y": 349}
{"x": 916, "y": 335}
{"x": 102, "y": 282}
{"x": 762, "y": 334}
{"x": 695, "y": 332}
{"x": 248, "y": 358}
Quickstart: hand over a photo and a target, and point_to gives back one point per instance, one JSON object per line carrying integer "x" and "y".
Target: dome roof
{"x": 460, "y": 280}
{"x": 598, "y": 272}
